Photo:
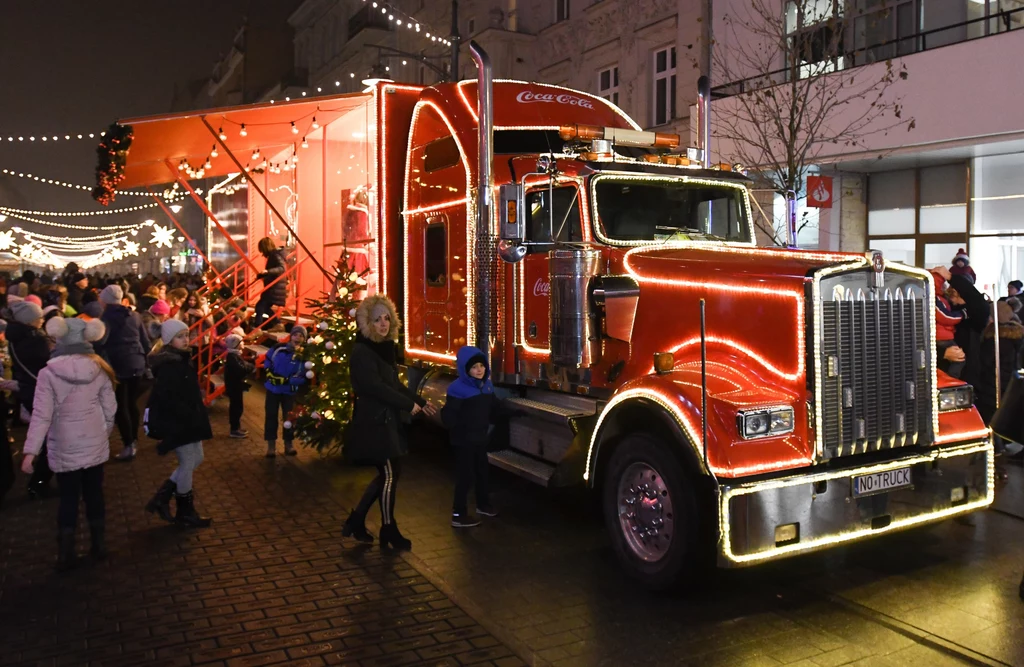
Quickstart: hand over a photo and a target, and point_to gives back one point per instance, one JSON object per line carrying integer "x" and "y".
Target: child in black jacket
{"x": 236, "y": 370}
{"x": 470, "y": 409}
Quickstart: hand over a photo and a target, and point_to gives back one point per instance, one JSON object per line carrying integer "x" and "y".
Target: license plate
{"x": 865, "y": 485}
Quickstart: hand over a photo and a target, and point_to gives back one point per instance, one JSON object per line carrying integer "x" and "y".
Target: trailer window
{"x": 440, "y": 154}
{"x": 664, "y": 210}
{"x": 559, "y": 208}
{"x": 436, "y": 251}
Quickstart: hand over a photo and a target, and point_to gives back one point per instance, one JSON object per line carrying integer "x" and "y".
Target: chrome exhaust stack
{"x": 704, "y": 120}
{"x": 484, "y": 251}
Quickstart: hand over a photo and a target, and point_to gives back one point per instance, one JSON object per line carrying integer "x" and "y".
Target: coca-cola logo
{"x": 541, "y": 288}
{"x": 529, "y": 97}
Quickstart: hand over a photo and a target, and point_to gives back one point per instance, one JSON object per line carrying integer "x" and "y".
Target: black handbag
{"x": 1008, "y": 421}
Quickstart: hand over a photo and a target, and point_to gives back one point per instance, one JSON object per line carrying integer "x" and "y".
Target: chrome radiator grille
{"x": 875, "y": 364}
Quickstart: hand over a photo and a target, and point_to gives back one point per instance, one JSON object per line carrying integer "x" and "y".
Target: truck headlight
{"x": 956, "y": 398}
{"x": 764, "y": 422}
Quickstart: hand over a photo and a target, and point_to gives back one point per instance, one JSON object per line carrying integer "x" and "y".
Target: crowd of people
{"x": 967, "y": 324}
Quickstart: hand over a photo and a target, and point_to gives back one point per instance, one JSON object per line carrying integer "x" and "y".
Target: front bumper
{"x": 827, "y": 513}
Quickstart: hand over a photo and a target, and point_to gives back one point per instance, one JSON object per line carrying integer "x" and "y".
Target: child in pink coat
{"x": 73, "y": 411}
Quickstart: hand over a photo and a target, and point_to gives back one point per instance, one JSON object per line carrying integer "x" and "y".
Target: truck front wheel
{"x": 650, "y": 512}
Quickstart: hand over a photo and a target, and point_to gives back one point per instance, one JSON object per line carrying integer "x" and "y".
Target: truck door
{"x": 436, "y": 285}
{"x": 557, "y": 208}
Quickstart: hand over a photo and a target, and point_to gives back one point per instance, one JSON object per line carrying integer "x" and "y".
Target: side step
{"x": 548, "y": 411}
{"x": 535, "y": 470}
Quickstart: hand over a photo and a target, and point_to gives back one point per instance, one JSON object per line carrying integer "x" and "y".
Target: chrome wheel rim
{"x": 645, "y": 512}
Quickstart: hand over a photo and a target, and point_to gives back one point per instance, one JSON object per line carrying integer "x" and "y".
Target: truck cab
{"x": 727, "y": 401}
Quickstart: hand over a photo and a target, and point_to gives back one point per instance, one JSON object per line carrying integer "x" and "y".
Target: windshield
{"x": 669, "y": 209}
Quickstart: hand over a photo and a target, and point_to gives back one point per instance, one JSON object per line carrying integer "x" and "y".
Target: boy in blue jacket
{"x": 469, "y": 411}
{"x": 286, "y": 372}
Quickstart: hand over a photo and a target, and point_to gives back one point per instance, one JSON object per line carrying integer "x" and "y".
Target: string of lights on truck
{"x": 64, "y": 184}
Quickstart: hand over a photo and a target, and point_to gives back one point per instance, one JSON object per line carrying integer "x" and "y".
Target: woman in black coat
{"x": 1011, "y": 345}
{"x": 29, "y": 347}
{"x": 375, "y": 434}
{"x": 277, "y": 294}
{"x": 124, "y": 347}
{"x": 177, "y": 417}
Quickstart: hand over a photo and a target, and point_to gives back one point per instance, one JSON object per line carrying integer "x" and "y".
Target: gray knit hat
{"x": 170, "y": 329}
{"x": 233, "y": 341}
{"x": 112, "y": 295}
{"x": 298, "y": 328}
{"x": 26, "y": 312}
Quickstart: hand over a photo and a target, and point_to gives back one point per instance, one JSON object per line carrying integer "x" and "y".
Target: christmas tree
{"x": 323, "y": 411}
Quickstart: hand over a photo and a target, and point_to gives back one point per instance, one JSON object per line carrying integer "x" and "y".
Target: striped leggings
{"x": 381, "y": 489}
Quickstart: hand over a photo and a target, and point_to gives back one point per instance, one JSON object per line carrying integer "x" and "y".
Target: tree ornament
{"x": 329, "y": 345}
{"x": 310, "y": 375}
{"x": 322, "y": 326}
{"x": 315, "y": 414}
{"x": 309, "y": 364}
{"x": 287, "y": 424}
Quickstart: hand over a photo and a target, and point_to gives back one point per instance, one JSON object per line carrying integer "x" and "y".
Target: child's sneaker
{"x": 486, "y": 510}
{"x": 240, "y": 433}
{"x": 464, "y": 520}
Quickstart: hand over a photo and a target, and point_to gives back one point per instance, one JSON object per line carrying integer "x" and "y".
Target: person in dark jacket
{"x": 469, "y": 411}
{"x": 124, "y": 347}
{"x": 7, "y": 472}
{"x": 978, "y": 310}
{"x": 236, "y": 370}
{"x": 273, "y": 295}
{"x": 30, "y": 350}
{"x": 177, "y": 417}
{"x": 1011, "y": 349}
{"x": 76, "y": 290}
{"x": 381, "y": 399}
{"x": 286, "y": 372}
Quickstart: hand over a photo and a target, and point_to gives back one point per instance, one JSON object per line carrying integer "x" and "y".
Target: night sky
{"x": 69, "y": 67}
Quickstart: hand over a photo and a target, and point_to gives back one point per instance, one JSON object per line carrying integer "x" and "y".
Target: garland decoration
{"x": 112, "y": 156}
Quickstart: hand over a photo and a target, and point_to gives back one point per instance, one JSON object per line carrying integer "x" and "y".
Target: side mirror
{"x": 512, "y": 227}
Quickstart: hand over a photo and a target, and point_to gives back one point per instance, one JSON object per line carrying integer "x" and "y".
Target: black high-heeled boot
{"x": 389, "y": 535}
{"x": 187, "y": 515}
{"x": 160, "y": 503}
{"x": 356, "y": 529}
{"x": 66, "y": 556}
{"x": 98, "y": 550}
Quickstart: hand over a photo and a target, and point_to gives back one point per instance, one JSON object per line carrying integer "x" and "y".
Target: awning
{"x": 184, "y": 135}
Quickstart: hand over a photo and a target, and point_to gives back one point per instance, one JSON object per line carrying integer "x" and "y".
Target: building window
{"x": 561, "y": 10}
{"x": 608, "y": 84}
{"x": 664, "y": 86}
{"x": 471, "y": 26}
{"x": 815, "y": 33}
{"x": 436, "y": 251}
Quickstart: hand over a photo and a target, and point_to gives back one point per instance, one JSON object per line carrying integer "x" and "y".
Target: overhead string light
{"x": 403, "y": 20}
{"x": 52, "y": 138}
{"x": 79, "y": 214}
{"x": 61, "y": 225}
{"x": 65, "y": 184}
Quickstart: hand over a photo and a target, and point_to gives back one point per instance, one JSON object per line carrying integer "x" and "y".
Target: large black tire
{"x": 673, "y": 556}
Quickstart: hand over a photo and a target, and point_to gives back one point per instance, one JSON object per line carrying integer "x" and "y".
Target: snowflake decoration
{"x": 117, "y": 254}
{"x": 7, "y": 240}
{"x": 131, "y": 247}
{"x": 162, "y": 236}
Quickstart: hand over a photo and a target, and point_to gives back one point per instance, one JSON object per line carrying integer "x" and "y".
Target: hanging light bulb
{"x": 256, "y": 154}
{"x": 304, "y": 144}
{"x": 220, "y": 133}
{"x": 295, "y": 130}
{"x": 181, "y": 165}
{"x": 242, "y": 132}
{"x": 213, "y": 153}
{"x": 207, "y": 164}
{"x": 295, "y": 158}
{"x": 316, "y": 125}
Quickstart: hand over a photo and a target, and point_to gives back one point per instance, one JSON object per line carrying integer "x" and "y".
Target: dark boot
{"x": 66, "y": 557}
{"x": 99, "y": 542}
{"x": 389, "y": 535}
{"x": 357, "y": 529}
{"x": 187, "y": 513}
{"x": 161, "y": 502}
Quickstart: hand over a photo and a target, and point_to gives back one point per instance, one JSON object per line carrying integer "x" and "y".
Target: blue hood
{"x": 466, "y": 386}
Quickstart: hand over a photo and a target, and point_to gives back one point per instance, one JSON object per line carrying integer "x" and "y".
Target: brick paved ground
{"x": 268, "y": 583}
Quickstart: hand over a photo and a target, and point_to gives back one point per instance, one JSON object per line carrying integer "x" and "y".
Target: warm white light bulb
{"x": 304, "y": 144}
{"x": 213, "y": 153}
{"x": 295, "y": 130}
{"x": 242, "y": 131}
{"x": 220, "y": 133}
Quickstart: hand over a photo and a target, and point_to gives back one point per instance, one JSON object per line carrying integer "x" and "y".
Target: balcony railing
{"x": 905, "y": 45}
{"x": 367, "y": 17}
